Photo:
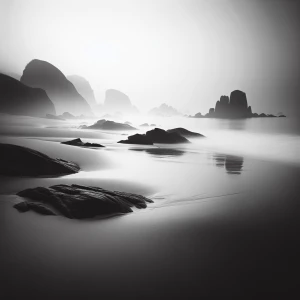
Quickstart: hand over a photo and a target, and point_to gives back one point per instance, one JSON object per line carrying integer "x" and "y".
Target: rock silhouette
{"x": 79, "y": 202}
{"x": 19, "y": 99}
{"x": 84, "y": 88}
{"x": 186, "y": 133}
{"x": 140, "y": 139}
{"x": 53, "y": 117}
{"x": 22, "y": 161}
{"x": 61, "y": 91}
{"x": 116, "y": 101}
{"x": 109, "y": 125}
{"x": 235, "y": 107}
{"x": 78, "y": 142}
{"x": 164, "y": 111}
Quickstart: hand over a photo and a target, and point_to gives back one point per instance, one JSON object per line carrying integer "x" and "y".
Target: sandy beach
{"x": 221, "y": 223}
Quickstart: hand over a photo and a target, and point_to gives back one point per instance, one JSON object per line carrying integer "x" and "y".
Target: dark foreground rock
{"x": 156, "y": 135}
{"x": 139, "y": 139}
{"x": 184, "y": 132}
{"x": 22, "y": 161}
{"x": 79, "y": 202}
{"x": 109, "y": 125}
{"x": 78, "y": 142}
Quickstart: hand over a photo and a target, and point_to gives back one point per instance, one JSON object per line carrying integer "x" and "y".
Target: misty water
{"x": 242, "y": 177}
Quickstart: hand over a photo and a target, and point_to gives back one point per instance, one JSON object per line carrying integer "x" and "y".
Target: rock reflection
{"x": 232, "y": 164}
{"x": 162, "y": 151}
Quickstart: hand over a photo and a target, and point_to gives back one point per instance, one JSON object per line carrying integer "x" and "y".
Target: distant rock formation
{"x": 61, "y": 91}
{"x": 19, "y": 99}
{"x": 116, "y": 101}
{"x": 78, "y": 142}
{"x": 22, "y": 161}
{"x": 109, "y": 125}
{"x": 235, "y": 107}
{"x": 84, "y": 88}
{"x": 53, "y": 117}
{"x": 144, "y": 125}
{"x": 139, "y": 139}
{"x": 186, "y": 133}
{"x": 78, "y": 201}
{"x": 164, "y": 111}
{"x": 156, "y": 135}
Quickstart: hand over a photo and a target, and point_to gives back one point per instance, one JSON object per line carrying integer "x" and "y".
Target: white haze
{"x": 183, "y": 53}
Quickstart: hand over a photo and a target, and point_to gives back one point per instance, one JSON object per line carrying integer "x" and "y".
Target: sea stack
{"x": 41, "y": 74}
{"x": 19, "y": 99}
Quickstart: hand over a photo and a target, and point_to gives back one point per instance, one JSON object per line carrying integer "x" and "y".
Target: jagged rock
{"x": 158, "y": 135}
{"x": 110, "y": 125}
{"x": 22, "y": 161}
{"x": 78, "y": 202}
{"x": 61, "y": 91}
{"x": 140, "y": 139}
{"x": 19, "y": 99}
{"x": 53, "y": 117}
{"x": 184, "y": 132}
{"x": 164, "y": 111}
{"x": 262, "y": 115}
{"x": 116, "y": 101}
{"x": 80, "y": 143}
{"x": 84, "y": 88}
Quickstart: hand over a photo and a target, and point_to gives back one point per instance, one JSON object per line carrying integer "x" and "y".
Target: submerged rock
{"x": 110, "y": 125}
{"x": 78, "y": 142}
{"x": 78, "y": 202}
{"x": 22, "y": 161}
{"x": 184, "y": 132}
{"x": 140, "y": 139}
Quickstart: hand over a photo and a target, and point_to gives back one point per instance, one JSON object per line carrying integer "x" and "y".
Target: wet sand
{"x": 221, "y": 226}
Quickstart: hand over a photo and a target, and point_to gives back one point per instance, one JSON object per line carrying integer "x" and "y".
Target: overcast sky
{"x": 186, "y": 53}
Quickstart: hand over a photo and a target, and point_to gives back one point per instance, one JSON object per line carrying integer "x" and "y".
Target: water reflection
{"x": 161, "y": 152}
{"x": 232, "y": 164}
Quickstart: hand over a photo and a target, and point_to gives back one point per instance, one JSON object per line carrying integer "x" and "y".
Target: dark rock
{"x": 80, "y": 143}
{"x": 116, "y": 101}
{"x": 254, "y": 115}
{"x": 19, "y": 99}
{"x": 262, "y": 115}
{"x": 78, "y": 202}
{"x": 164, "y": 111}
{"x": 281, "y": 116}
{"x": 22, "y": 206}
{"x": 140, "y": 139}
{"x": 184, "y": 132}
{"x": 41, "y": 74}
{"x": 22, "y": 161}
{"x": 110, "y": 125}
{"x": 53, "y": 117}
{"x": 158, "y": 135}
{"x": 84, "y": 88}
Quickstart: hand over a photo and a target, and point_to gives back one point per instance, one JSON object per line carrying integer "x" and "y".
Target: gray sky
{"x": 186, "y": 53}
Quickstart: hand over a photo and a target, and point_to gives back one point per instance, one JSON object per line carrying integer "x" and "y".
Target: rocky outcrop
{"x": 184, "y": 132}
{"x": 109, "y": 125}
{"x": 116, "y": 101}
{"x": 139, "y": 139}
{"x": 78, "y": 142}
{"x": 164, "y": 111}
{"x": 19, "y": 99}
{"x": 22, "y": 161}
{"x": 84, "y": 88}
{"x": 41, "y": 74}
{"x": 158, "y": 135}
{"x": 79, "y": 202}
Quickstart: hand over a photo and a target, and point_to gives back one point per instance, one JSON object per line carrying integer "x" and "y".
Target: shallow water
{"x": 225, "y": 215}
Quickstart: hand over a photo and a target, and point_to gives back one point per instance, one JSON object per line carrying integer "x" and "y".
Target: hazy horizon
{"x": 183, "y": 53}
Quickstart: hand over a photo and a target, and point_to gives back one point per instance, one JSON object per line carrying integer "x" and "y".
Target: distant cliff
{"x": 19, "y": 99}
{"x": 235, "y": 107}
{"x": 116, "y": 101}
{"x": 61, "y": 91}
{"x": 164, "y": 110}
{"x": 84, "y": 88}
